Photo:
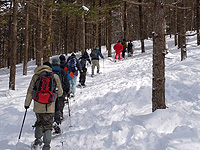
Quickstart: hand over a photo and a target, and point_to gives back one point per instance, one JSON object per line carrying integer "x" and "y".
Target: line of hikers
{"x": 49, "y": 87}
{"x": 53, "y": 82}
{"x": 122, "y": 47}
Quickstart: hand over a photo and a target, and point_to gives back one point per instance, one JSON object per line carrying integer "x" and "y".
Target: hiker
{"x": 62, "y": 61}
{"x": 83, "y": 61}
{"x": 124, "y": 48}
{"x": 58, "y": 116}
{"x": 95, "y": 54}
{"x": 63, "y": 65}
{"x": 44, "y": 112}
{"x": 74, "y": 66}
{"x": 118, "y": 49}
{"x": 130, "y": 48}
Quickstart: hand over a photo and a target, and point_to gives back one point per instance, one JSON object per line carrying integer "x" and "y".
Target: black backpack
{"x": 83, "y": 62}
{"x": 45, "y": 88}
{"x": 72, "y": 63}
{"x": 124, "y": 45}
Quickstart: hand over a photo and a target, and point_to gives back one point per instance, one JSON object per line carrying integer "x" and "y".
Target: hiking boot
{"x": 37, "y": 144}
{"x": 72, "y": 95}
{"x": 83, "y": 84}
{"x": 56, "y": 128}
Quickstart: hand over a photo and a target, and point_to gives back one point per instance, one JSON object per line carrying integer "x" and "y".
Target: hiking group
{"x": 54, "y": 83}
{"x": 51, "y": 86}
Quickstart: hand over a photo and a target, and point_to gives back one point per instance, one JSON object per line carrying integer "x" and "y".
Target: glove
{"x": 26, "y": 107}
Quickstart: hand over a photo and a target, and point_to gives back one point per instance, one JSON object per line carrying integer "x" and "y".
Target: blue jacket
{"x": 63, "y": 77}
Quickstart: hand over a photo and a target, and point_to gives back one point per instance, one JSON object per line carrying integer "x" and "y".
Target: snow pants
{"x": 118, "y": 56}
{"x": 95, "y": 63}
{"x": 123, "y": 53}
{"x": 73, "y": 84}
{"x": 43, "y": 128}
{"x": 83, "y": 76}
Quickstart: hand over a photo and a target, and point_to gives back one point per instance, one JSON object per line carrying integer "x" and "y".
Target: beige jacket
{"x": 38, "y": 107}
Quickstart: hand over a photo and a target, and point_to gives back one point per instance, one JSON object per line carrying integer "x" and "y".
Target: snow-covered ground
{"x": 114, "y": 111}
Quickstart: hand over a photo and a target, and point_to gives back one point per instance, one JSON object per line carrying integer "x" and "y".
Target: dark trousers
{"x": 82, "y": 78}
{"x": 44, "y": 120}
{"x": 57, "y": 114}
{"x": 123, "y": 53}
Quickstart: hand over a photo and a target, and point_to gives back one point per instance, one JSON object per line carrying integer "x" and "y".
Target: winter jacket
{"x": 83, "y": 59}
{"x": 118, "y": 47}
{"x": 63, "y": 77}
{"x": 98, "y": 54}
{"x": 38, "y": 107}
{"x": 78, "y": 65}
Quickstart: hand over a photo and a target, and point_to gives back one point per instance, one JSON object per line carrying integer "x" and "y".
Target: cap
{"x": 55, "y": 60}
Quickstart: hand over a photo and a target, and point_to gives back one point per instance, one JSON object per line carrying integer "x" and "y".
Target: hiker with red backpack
{"x": 65, "y": 85}
{"x": 42, "y": 89}
{"x": 74, "y": 66}
{"x": 83, "y": 61}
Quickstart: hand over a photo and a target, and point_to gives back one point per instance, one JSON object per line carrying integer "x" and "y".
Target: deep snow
{"x": 114, "y": 111}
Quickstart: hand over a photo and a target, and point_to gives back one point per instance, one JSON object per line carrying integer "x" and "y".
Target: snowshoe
{"x": 36, "y": 145}
{"x": 79, "y": 85}
{"x": 56, "y": 128}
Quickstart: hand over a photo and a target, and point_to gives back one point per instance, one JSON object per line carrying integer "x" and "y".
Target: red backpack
{"x": 45, "y": 89}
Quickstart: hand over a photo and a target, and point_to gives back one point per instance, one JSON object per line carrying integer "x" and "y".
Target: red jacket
{"x": 118, "y": 47}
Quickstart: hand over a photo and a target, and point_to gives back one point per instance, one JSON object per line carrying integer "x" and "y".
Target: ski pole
{"x": 22, "y": 124}
{"x": 69, "y": 113}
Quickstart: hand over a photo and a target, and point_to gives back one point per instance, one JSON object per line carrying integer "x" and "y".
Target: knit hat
{"x": 47, "y": 64}
{"x": 55, "y": 61}
{"x": 62, "y": 57}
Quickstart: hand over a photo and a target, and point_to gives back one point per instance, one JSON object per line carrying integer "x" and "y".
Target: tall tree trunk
{"x": 47, "y": 50}
{"x": 75, "y": 34}
{"x": 197, "y": 22}
{"x": 95, "y": 26}
{"x": 141, "y": 27}
{"x": 109, "y": 30}
{"x": 39, "y": 33}
{"x": 182, "y": 32}
{"x": 66, "y": 34}
{"x": 14, "y": 46}
{"x": 9, "y": 35}
{"x": 26, "y": 40}
{"x": 158, "y": 89}
{"x": 175, "y": 26}
{"x": 99, "y": 27}
{"x": 125, "y": 20}
{"x": 83, "y": 30}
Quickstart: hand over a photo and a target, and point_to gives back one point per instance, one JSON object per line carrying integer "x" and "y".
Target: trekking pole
{"x": 22, "y": 125}
{"x": 70, "y": 125}
{"x": 103, "y": 65}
